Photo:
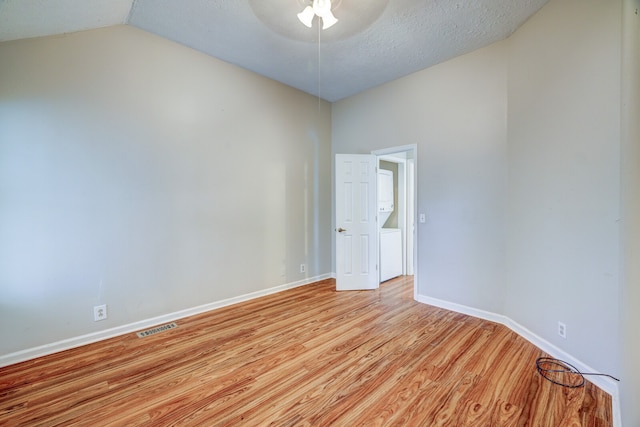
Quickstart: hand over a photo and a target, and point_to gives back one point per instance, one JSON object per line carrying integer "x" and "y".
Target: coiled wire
{"x": 562, "y": 373}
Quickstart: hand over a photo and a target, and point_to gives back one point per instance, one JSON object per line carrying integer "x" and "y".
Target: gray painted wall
{"x": 630, "y": 228}
{"x": 145, "y": 175}
{"x": 564, "y": 178}
{"x": 456, "y": 114}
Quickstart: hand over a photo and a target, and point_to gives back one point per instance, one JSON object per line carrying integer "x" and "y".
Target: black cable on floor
{"x": 562, "y": 373}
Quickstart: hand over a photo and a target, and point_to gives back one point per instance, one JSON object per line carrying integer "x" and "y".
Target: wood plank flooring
{"x": 309, "y": 356}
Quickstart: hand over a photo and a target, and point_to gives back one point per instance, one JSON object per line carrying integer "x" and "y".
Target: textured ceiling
{"x": 374, "y": 42}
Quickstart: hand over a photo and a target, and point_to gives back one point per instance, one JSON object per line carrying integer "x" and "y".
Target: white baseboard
{"x": 44, "y": 350}
{"x": 606, "y": 384}
{"x": 459, "y": 308}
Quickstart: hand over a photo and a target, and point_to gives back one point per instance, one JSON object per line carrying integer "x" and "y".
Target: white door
{"x": 356, "y": 225}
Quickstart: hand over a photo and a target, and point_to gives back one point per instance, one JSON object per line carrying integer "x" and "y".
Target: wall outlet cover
{"x": 99, "y": 312}
{"x": 562, "y": 330}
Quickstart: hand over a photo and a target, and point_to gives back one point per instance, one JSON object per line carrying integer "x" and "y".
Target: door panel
{"x": 356, "y": 227}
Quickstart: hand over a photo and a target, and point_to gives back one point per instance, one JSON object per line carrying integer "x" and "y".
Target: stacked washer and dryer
{"x": 390, "y": 238}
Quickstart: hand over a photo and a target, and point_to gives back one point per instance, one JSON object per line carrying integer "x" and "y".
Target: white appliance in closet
{"x": 390, "y": 253}
{"x": 390, "y": 238}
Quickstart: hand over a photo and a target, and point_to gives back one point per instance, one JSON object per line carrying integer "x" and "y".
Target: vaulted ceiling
{"x": 375, "y": 41}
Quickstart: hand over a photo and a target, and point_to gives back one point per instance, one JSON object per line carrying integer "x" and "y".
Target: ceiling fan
{"x": 320, "y": 8}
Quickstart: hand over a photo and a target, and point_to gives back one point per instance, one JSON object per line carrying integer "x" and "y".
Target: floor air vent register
{"x": 156, "y": 329}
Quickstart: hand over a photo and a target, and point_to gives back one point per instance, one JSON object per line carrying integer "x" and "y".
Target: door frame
{"x": 412, "y": 151}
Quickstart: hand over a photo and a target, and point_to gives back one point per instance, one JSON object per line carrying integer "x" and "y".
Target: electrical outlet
{"x": 303, "y": 268}
{"x": 100, "y": 312}
{"x": 562, "y": 330}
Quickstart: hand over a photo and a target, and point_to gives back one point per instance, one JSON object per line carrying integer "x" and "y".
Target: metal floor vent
{"x": 157, "y": 329}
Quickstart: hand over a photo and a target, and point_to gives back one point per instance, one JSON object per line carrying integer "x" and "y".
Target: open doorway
{"x": 358, "y": 223}
{"x": 397, "y": 212}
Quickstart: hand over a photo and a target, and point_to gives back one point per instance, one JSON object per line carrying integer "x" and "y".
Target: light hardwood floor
{"x": 309, "y": 356}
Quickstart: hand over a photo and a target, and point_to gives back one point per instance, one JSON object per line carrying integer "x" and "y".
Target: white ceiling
{"x": 374, "y": 42}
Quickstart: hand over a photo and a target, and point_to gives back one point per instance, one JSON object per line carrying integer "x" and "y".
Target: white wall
{"x": 456, "y": 114}
{"x": 630, "y": 230}
{"x": 564, "y": 165}
{"x": 142, "y": 174}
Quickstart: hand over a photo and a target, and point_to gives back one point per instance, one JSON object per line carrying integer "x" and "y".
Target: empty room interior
{"x": 492, "y": 149}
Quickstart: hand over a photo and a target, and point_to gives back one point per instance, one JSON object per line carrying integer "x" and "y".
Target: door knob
{"x": 341, "y": 230}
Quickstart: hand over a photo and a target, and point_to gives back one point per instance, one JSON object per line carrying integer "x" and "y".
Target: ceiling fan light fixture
{"x": 328, "y": 20}
{"x": 320, "y": 8}
{"x": 306, "y": 16}
{"x": 282, "y": 16}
